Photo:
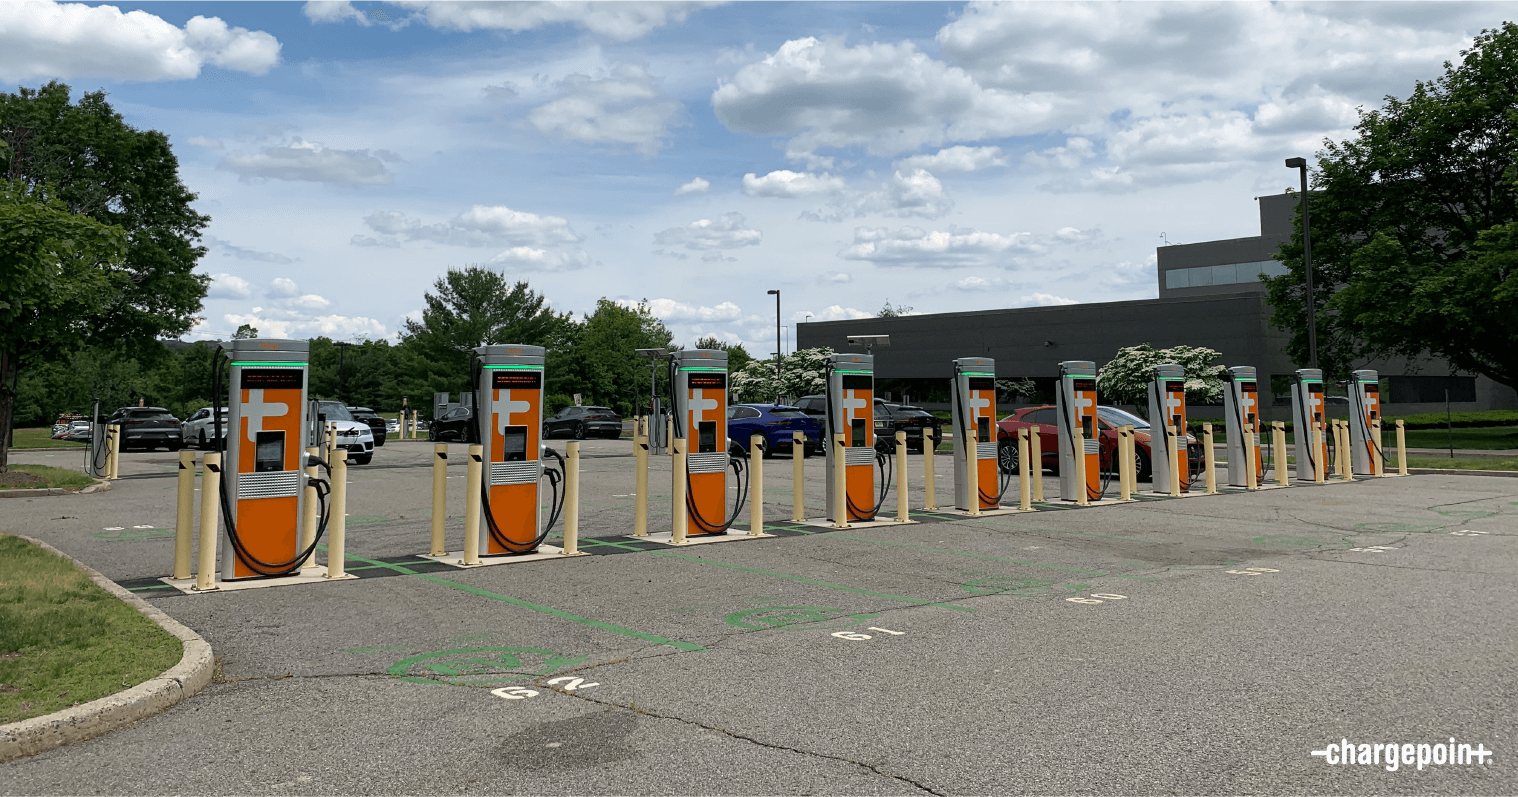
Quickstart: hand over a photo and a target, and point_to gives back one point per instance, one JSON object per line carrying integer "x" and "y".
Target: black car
{"x": 583, "y": 422}
{"x": 889, "y": 418}
{"x": 456, "y": 425}
{"x": 148, "y": 428}
{"x": 376, "y": 423}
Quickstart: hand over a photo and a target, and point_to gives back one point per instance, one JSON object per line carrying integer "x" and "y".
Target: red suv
{"x": 1108, "y": 418}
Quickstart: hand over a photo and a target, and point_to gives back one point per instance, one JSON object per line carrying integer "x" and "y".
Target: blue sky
{"x": 945, "y": 156}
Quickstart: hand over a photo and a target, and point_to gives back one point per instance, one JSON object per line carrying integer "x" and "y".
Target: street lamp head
{"x": 773, "y": 293}
{"x": 1296, "y": 163}
{"x": 653, "y": 354}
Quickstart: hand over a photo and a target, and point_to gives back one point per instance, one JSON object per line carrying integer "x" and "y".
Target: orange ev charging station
{"x": 508, "y": 428}
{"x": 850, "y": 417}
{"x": 1241, "y": 405}
{"x": 698, "y": 379}
{"x": 972, "y": 405}
{"x": 263, "y": 483}
{"x": 1167, "y": 409}
{"x": 1307, "y": 413}
{"x": 1075, "y": 404}
{"x": 1364, "y": 411}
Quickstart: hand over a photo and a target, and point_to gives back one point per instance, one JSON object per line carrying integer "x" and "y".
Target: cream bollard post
{"x": 311, "y": 513}
{"x": 971, "y": 441}
{"x": 1278, "y": 450}
{"x": 1208, "y": 459}
{"x": 210, "y": 507}
{"x": 640, "y": 486}
{"x": 185, "y": 515}
{"x": 679, "y": 517}
{"x": 1377, "y": 455}
{"x": 798, "y": 475}
{"x": 840, "y": 486}
{"x": 337, "y": 524}
{"x": 1320, "y": 467}
{"x": 472, "y": 476}
{"x": 439, "y": 498}
{"x": 1251, "y": 479}
{"x": 756, "y": 485}
{"x": 1174, "y": 455}
{"x": 1079, "y": 448}
{"x": 114, "y": 462}
{"x": 929, "y": 446}
{"x": 1036, "y": 462}
{"x": 572, "y": 499}
{"x": 902, "y": 514}
{"x": 1401, "y": 449}
{"x": 1024, "y": 479}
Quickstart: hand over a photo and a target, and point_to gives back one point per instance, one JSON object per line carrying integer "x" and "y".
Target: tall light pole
{"x": 779, "y": 352}
{"x": 1300, "y": 164}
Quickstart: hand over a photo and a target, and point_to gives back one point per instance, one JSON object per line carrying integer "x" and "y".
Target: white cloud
{"x": 40, "y": 40}
{"x": 1042, "y": 300}
{"x": 835, "y": 278}
{"x": 695, "y": 186}
{"x": 728, "y": 231}
{"x": 955, "y": 159}
{"x": 283, "y": 288}
{"x": 227, "y": 286}
{"x": 623, "y": 108}
{"x": 311, "y": 162}
{"x": 786, "y": 183}
{"x": 276, "y": 323}
{"x": 622, "y": 21}
{"x": 333, "y": 11}
{"x": 838, "y": 312}
{"x": 481, "y": 225}
{"x": 915, "y": 193}
{"x": 228, "y": 249}
{"x": 952, "y": 248}
{"x": 205, "y": 143}
{"x": 672, "y": 310}
{"x": 527, "y": 258}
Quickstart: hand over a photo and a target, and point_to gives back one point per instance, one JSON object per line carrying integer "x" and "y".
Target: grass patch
{"x": 1492, "y": 437}
{"x": 65, "y": 641}
{"x": 41, "y": 437}
{"x": 45, "y": 476}
{"x": 1458, "y": 463}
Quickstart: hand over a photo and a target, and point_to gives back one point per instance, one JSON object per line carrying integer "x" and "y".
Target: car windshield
{"x": 1117, "y": 417}
{"x": 788, "y": 413}
{"x": 150, "y": 413}
{"x": 335, "y": 412}
{"x": 912, "y": 411}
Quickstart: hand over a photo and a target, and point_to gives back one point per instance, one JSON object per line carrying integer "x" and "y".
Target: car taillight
{"x": 132, "y": 423}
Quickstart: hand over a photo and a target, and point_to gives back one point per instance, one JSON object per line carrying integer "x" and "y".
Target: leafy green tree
{"x": 245, "y": 332}
{"x": 801, "y": 374}
{"x": 58, "y": 270}
{"x": 892, "y": 312}
{"x": 1415, "y": 226}
{"x": 605, "y": 365}
{"x": 1125, "y": 379}
{"x": 737, "y": 356}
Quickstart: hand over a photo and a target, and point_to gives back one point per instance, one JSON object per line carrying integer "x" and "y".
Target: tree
{"x": 737, "y": 356}
{"x": 1125, "y": 379}
{"x": 476, "y": 306}
{"x": 58, "y": 271}
{"x": 605, "y": 364}
{"x": 1414, "y": 227}
{"x": 245, "y": 332}
{"x": 892, "y": 312}
{"x": 802, "y": 373}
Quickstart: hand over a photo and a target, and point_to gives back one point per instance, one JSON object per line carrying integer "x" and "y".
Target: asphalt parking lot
{"x": 1201, "y": 645}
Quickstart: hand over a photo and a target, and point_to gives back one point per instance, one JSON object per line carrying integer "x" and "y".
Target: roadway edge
{"x": 99, "y": 717}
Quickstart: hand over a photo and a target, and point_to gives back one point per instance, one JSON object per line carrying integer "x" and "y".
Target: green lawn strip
{"x": 548, "y": 610}
{"x": 1458, "y": 463}
{"x": 815, "y": 582}
{"x": 1497, "y": 437}
{"x": 65, "y": 641}
{"x": 51, "y": 477}
{"x": 41, "y": 437}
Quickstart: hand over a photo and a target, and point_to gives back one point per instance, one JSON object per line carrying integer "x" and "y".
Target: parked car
{"x": 353, "y": 435}
{"x": 454, "y": 426}
{"x": 778, "y": 423}
{"x": 148, "y": 428}
{"x": 198, "y": 429}
{"x": 376, "y": 423}
{"x": 583, "y": 422}
{"x": 78, "y": 431}
{"x": 1108, "y": 419}
{"x": 888, "y": 419}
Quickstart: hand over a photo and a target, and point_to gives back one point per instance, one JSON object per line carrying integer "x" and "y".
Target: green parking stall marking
{"x": 618, "y": 545}
{"x": 1021, "y": 587}
{"x": 930, "y": 549}
{"x": 778, "y": 618}
{"x": 815, "y": 582}
{"x": 140, "y": 589}
{"x": 548, "y": 610}
{"x": 463, "y": 665}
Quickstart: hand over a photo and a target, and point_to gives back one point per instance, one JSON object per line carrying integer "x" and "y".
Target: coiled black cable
{"x": 740, "y": 473}
{"x": 555, "y": 481}
{"x": 886, "y": 468}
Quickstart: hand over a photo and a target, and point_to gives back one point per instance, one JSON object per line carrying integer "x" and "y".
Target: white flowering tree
{"x": 1125, "y": 379}
{"x": 801, "y": 374}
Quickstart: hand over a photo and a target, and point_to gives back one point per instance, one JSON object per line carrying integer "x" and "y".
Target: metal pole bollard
{"x": 1209, "y": 459}
{"x": 210, "y": 508}
{"x": 1319, "y": 454}
{"x": 1036, "y": 462}
{"x": 1401, "y": 449}
{"x": 756, "y": 484}
{"x": 679, "y": 517}
{"x": 902, "y": 514}
{"x": 929, "y": 446}
{"x": 572, "y": 499}
{"x": 971, "y": 455}
{"x": 1278, "y": 447}
{"x": 185, "y": 516}
{"x": 1024, "y": 480}
{"x": 840, "y": 485}
{"x": 640, "y": 461}
{"x": 337, "y": 525}
{"x": 439, "y": 498}
{"x": 1174, "y": 455}
{"x": 310, "y": 513}
{"x": 798, "y": 476}
{"x": 472, "y": 476}
{"x": 1251, "y": 479}
{"x": 1079, "y": 449}
{"x": 1377, "y": 461}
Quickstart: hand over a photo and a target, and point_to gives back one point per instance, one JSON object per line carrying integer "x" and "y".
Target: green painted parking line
{"x": 155, "y": 586}
{"x": 606, "y": 543}
{"x": 805, "y": 580}
{"x": 548, "y": 610}
{"x": 964, "y": 553}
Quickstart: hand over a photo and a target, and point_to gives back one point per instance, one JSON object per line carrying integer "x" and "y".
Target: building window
{"x": 1430, "y": 389}
{"x": 1228, "y": 274}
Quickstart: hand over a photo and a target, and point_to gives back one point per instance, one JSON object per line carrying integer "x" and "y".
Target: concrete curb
{"x": 99, "y": 717}
{"x": 100, "y": 486}
{"x": 1455, "y": 472}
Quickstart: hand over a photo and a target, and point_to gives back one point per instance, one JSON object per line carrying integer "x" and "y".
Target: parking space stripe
{"x": 813, "y": 581}
{"x": 964, "y": 553}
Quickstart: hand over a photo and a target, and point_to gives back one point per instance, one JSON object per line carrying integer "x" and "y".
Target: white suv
{"x": 353, "y": 435}
{"x": 198, "y": 429}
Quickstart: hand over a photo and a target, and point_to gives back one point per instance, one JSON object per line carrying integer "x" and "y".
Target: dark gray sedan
{"x": 583, "y": 422}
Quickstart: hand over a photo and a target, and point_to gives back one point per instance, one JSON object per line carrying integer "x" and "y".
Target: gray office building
{"x": 1210, "y": 295}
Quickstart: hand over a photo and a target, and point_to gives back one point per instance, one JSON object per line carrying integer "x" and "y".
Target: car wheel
{"x": 200, "y": 441}
{"x": 1143, "y": 470}
{"x": 1006, "y": 458}
{"x": 580, "y": 430}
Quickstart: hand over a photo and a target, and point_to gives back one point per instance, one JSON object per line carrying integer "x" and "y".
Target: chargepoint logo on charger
{"x": 1395, "y": 756}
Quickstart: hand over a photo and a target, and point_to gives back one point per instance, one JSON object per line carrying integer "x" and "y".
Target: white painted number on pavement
{"x": 1096, "y": 598}
{"x": 851, "y": 635}
{"x": 1468, "y": 533}
{"x": 1252, "y": 571}
{"x": 514, "y": 692}
{"x": 1374, "y": 549}
{"x": 574, "y": 683}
